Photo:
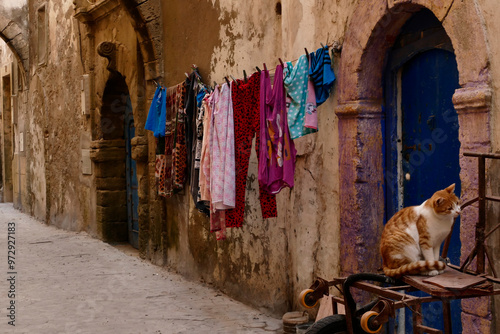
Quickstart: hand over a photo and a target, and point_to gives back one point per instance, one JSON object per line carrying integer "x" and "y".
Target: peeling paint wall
{"x": 265, "y": 263}
{"x": 54, "y": 117}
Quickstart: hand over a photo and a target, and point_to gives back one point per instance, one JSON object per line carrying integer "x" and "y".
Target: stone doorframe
{"x": 373, "y": 28}
{"x": 146, "y": 20}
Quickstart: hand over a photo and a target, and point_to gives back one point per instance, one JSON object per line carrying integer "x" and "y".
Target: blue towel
{"x": 157, "y": 115}
{"x": 321, "y": 73}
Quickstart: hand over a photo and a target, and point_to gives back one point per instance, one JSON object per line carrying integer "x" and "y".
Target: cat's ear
{"x": 451, "y": 188}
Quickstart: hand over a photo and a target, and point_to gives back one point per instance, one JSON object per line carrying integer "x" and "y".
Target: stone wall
{"x": 328, "y": 224}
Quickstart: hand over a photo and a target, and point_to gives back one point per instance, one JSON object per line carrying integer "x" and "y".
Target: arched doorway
{"x": 116, "y": 176}
{"x": 421, "y": 130}
{"x": 372, "y": 31}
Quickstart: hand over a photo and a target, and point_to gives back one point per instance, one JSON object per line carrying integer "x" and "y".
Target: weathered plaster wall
{"x": 55, "y": 119}
{"x": 266, "y": 262}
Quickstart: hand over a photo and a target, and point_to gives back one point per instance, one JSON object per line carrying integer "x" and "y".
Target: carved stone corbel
{"x": 108, "y": 50}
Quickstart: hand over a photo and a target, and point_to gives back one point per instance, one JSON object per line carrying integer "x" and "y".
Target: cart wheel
{"x": 366, "y": 322}
{"x": 306, "y": 300}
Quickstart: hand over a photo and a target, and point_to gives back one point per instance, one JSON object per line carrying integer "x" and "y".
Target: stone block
{"x": 108, "y": 154}
{"x": 111, "y": 198}
{"x": 472, "y": 324}
{"x": 477, "y": 306}
{"x": 140, "y": 153}
{"x": 110, "y": 183}
{"x": 150, "y": 10}
{"x": 107, "y": 170}
{"x": 111, "y": 214}
{"x": 114, "y": 231}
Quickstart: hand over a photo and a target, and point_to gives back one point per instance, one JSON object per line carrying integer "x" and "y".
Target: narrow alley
{"x": 67, "y": 282}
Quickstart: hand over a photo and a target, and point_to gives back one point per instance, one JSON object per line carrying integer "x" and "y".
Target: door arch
{"x": 116, "y": 178}
{"x": 421, "y": 131}
{"x": 373, "y": 28}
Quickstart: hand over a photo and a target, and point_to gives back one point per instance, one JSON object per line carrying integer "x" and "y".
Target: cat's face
{"x": 445, "y": 202}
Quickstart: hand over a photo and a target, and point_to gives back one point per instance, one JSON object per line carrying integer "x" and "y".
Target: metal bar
{"x": 493, "y": 230}
{"x": 338, "y": 300}
{"x": 421, "y": 300}
{"x": 482, "y": 155}
{"x": 447, "y": 317}
{"x": 466, "y": 204}
{"x": 417, "y": 318}
{"x": 493, "y": 198}
{"x": 492, "y": 267}
{"x": 334, "y": 307}
{"x": 425, "y": 329}
{"x": 469, "y": 259}
{"x": 481, "y": 223}
{"x": 399, "y": 287}
{"x": 382, "y": 292}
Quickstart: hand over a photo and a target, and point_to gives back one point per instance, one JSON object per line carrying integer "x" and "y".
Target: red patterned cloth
{"x": 246, "y": 110}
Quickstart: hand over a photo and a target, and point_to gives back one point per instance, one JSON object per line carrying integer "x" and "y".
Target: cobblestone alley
{"x": 65, "y": 282}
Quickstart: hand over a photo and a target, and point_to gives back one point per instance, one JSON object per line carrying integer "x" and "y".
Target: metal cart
{"x": 457, "y": 282}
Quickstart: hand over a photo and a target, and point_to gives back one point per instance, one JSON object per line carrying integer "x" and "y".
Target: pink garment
{"x": 222, "y": 171}
{"x": 311, "y": 118}
{"x": 277, "y": 150}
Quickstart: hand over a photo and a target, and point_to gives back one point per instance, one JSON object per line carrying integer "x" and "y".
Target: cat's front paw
{"x": 433, "y": 273}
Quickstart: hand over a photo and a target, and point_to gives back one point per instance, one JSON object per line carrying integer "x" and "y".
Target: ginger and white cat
{"x": 411, "y": 239}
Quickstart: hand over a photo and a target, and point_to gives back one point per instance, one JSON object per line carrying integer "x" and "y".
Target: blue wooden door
{"x": 132, "y": 194}
{"x": 430, "y": 146}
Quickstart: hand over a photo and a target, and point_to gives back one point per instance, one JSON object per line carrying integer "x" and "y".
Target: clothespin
{"x": 187, "y": 75}
{"x": 227, "y": 80}
{"x": 281, "y": 62}
{"x": 215, "y": 84}
{"x": 235, "y": 81}
{"x": 258, "y": 69}
{"x": 155, "y": 83}
{"x": 265, "y": 67}
{"x": 245, "y": 76}
{"x": 307, "y": 54}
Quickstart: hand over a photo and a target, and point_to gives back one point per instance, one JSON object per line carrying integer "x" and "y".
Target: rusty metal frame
{"x": 391, "y": 298}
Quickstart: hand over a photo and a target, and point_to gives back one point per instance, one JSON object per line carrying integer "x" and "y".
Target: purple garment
{"x": 277, "y": 150}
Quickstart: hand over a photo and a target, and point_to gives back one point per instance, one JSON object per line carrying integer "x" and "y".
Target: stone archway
{"x": 108, "y": 154}
{"x": 15, "y": 36}
{"x": 372, "y": 31}
{"x": 145, "y": 20}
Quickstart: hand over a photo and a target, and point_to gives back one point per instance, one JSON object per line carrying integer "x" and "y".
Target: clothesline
{"x": 205, "y": 135}
{"x": 336, "y": 47}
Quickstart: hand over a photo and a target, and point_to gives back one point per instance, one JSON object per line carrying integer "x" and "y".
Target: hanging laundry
{"x": 222, "y": 171}
{"x": 277, "y": 150}
{"x": 246, "y": 108}
{"x": 205, "y": 149}
{"x": 322, "y": 74}
{"x": 295, "y": 80}
{"x": 174, "y": 174}
{"x": 311, "y": 118}
{"x": 194, "y": 136}
{"x": 157, "y": 113}
{"x": 180, "y": 151}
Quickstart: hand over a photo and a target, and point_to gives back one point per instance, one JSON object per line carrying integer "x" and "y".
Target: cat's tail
{"x": 414, "y": 268}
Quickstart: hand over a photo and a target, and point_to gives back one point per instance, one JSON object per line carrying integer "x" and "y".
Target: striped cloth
{"x": 321, "y": 73}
